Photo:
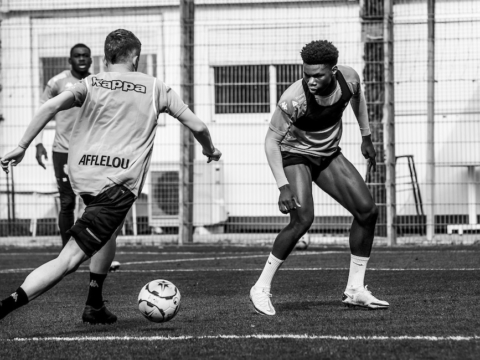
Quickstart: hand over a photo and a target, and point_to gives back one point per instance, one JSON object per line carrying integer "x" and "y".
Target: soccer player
{"x": 302, "y": 146}
{"x": 80, "y": 61}
{"x": 110, "y": 149}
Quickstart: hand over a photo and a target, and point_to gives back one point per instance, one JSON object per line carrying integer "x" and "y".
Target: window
{"x": 247, "y": 88}
{"x": 242, "y": 89}
{"x": 52, "y": 66}
{"x": 286, "y": 76}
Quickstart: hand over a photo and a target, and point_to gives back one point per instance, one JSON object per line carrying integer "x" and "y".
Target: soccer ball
{"x": 159, "y": 301}
{"x": 303, "y": 243}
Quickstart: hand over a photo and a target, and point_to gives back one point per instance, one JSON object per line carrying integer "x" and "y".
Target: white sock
{"x": 358, "y": 265}
{"x": 271, "y": 267}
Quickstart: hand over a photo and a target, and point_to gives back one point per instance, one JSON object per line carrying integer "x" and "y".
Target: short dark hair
{"x": 319, "y": 52}
{"x": 120, "y": 45}
{"x": 79, "y": 45}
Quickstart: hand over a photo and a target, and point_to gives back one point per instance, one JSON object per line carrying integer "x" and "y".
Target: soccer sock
{"x": 95, "y": 289}
{"x": 13, "y": 302}
{"x": 271, "y": 267}
{"x": 358, "y": 265}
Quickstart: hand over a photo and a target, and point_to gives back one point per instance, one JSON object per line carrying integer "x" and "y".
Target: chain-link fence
{"x": 246, "y": 53}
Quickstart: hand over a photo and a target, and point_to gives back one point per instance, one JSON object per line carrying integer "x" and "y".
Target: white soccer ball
{"x": 303, "y": 243}
{"x": 159, "y": 301}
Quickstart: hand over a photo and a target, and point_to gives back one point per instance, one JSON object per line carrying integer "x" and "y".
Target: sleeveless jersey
{"x": 112, "y": 138}
{"x": 64, "y": 120}
{"x": 312, "y": 124}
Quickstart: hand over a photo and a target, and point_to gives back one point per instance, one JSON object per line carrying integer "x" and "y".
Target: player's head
{"x": 80, "y": 59}
{"x": 319, "y": 64}
{"x": 122, "y": 47}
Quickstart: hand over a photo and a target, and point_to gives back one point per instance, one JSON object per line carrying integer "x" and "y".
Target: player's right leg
{"x": 95, "y": 311}
{"x": 44, "y": 277}
{"x": 301, "y": 219}
{"x": 66, "y": 216}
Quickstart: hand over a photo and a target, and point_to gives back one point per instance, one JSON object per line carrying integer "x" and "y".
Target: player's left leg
{"x": 66, "y": 216}
{"x": 44, "y": 277}
{"x": 95, "y": 311}
{"x": 342, "y": 181}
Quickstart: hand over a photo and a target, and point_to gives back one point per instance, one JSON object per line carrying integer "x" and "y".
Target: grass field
{"x": 434, "y": 295}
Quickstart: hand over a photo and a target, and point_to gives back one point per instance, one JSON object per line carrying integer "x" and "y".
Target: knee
{"x": 302, "y": 221}
{"x": 368, "y": 216}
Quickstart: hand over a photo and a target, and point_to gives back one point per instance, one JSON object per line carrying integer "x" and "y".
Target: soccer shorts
{"x": 315, "y": 163}
{"x": 103, "y": 215}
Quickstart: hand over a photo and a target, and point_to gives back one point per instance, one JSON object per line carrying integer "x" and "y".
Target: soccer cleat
{"x": 98, "y": 316}
{"x": 363, "y": 298}
{"x": 114, "y": 266}
{"x": 260, "y": 298}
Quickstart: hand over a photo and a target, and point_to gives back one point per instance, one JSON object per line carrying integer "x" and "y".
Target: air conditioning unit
{"x": 208, "y": 194}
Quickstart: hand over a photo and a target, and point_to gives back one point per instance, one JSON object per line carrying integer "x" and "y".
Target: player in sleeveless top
{"x": 109, "y": 155}
{"x": 302, "y": 146}
{"x": 80, "y": 61}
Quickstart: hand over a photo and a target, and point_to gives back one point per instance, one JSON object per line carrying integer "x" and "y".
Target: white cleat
{"x": 363, "y": 298}
{"x": 260, "y": 298}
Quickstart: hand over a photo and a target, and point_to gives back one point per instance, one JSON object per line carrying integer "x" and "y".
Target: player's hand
{"x": 14, "y": 157}
{"x": 41, "y": 152}
{"x": 213, "y": 157}
{"x": 368, "y": 152}
{"x": 287, "y": 200}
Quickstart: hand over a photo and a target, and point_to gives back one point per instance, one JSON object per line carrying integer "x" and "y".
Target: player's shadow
{"x": 304, "y": 305}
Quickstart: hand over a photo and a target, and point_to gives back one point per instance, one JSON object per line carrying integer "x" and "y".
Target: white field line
{"x": 296, "y": 253}
{"x": 193, "y": 259}
{"x": 245, "y": 337}
{"x": 11, "y": 271}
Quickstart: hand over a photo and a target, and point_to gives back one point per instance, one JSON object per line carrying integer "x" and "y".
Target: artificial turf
{"x": 433, "y": 291}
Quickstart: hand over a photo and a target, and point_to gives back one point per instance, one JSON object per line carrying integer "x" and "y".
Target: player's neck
{"x": 120, "y": 68}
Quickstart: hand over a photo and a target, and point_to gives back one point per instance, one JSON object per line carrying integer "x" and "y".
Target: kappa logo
{"x": 93, "y": 283}
{"x": 284, "y": 106}
{"x": 14, "y": 296}
{"x": 118, "y": 85}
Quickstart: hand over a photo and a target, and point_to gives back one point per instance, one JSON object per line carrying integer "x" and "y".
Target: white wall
{"x": 261, "y": 34}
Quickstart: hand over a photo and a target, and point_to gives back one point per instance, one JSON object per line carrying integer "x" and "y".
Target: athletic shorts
{"x": 315, "y": 163}
{"x": 103, "y": 215}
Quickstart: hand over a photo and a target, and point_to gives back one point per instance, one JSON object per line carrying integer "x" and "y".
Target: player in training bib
{"x": 302, "y": 146}
{"x": 110, "y": 149}
{"x": 80, "y": 60}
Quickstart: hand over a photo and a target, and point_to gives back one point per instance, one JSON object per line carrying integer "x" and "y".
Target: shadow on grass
{"x": 306, "y": 305}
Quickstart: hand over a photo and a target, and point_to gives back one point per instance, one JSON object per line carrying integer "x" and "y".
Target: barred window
{"x": 247, "y": 88}
{"x": 242, "y": 89}
{"x": 286, "y": 76}
{"x": 52, "y": 66}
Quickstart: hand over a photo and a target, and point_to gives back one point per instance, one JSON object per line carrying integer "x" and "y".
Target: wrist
{"x": 23, "y": 146}
{"x": 367, "y": 137}
{"x": 209, "y": 151}
{"x": 284, "y": 187}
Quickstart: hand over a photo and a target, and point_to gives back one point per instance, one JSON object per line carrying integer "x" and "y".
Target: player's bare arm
{"x": 44, "y": 114}
{"x": 201, "y": 133}
{"x": 287, "y": 200}
{"x": 359, "y": 107}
